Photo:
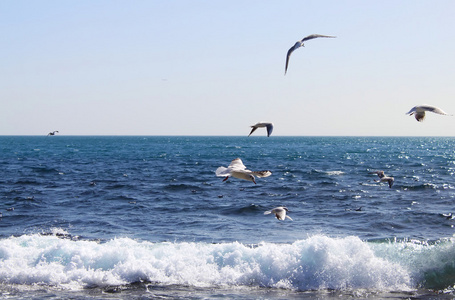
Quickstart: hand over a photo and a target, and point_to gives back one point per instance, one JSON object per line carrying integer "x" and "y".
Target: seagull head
{"x": 252, "y": 178}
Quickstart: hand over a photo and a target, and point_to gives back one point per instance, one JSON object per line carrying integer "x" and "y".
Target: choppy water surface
{"x": 146, "y": 216}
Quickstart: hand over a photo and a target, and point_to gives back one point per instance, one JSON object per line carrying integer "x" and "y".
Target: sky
{"x": 216, "y": 67}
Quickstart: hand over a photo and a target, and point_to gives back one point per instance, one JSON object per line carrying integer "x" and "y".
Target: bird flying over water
{"x": 238, "y": 170}
{"x": 419, "y": 111}
{"x": 269, "y": 127}
{"x": 52, "y": 133}
{"x": 299, "y": 44}
{"x": 279, "y": 212}
{"x": 384, "y": 178}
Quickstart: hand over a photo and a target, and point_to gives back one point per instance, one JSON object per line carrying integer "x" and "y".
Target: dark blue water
{"x": 147, "y": 216}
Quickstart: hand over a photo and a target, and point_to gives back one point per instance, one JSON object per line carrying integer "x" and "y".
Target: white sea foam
{"x": 318, "y": 262}
{"x": 334, "y": 173}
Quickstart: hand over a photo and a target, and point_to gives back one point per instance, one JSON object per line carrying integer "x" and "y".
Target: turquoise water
{"x": 147, "y": 216}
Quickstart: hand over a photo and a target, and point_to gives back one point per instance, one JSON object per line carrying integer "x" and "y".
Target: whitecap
{"x": 316, "y": 263}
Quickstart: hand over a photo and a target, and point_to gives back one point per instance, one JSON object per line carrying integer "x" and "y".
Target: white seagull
{"x": 238, "y": 170}
{"x": 384, "y": 178}
{"x": 260, "y": 125}
{"x": 280, "y": 213}
{"x": 419, "y": 111}
{"x": 299, "y": 44}
{"x": 52, "y": 133}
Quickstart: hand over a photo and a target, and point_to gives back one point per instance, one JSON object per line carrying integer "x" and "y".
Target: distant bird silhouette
{"x": 299, "y": 44}
{"x": 269, "y": 127}
{"x": 52, "y": 133}
{"x": 238, "y": 170}
{"x": 384, "y": 178}
{"x": 280, "y": 213}
{"x": 419, "y": 111}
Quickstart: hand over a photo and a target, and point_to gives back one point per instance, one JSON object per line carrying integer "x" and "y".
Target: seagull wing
{"x": 237, "y": 165}
{"x": 222, "y": 172}
{"x": 261, "y": 173}
{"x": 313, "y": 36}
{"x": 433, "y": 109}
{"x": 297, "y": 45}
{"x": 413, "y": 110}
{"x": 269, "y": 129}
{"x": 253, "y": 129}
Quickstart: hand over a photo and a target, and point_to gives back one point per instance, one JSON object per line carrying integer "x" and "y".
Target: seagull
{"x": 52, "y": 133}
{"x": 420, "y": 110}
{"x": 262, "y": 124}
{"x": 448, "y": 216}
{"x": 384, "y": 178}
{"x": 238, "y": 170}
{"x": 299, "y": 44}
{"x": 280, "y": 213}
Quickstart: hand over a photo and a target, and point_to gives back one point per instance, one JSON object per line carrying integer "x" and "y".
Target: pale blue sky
{"x": 217, "y": 67}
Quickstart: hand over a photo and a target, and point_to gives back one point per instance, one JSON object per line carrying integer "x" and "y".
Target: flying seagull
{"x": 419, "y": 111}
{"x": 280, "y": 213}
{"x": 384, "y": 178}
{"x": 260, "y": 125}
{"x": 52, "y": 133}
{"x": 238, "y": 170}
{"x": 299, "y": 44}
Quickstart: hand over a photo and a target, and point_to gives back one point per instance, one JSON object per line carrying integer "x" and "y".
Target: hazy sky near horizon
{"x": 217, "y": 67}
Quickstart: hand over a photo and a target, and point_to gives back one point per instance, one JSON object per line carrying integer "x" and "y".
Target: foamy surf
{"x": 316, "y": 263}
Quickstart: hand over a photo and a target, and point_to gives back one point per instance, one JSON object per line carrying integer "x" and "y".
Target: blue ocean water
{"x": 143, "y": 217}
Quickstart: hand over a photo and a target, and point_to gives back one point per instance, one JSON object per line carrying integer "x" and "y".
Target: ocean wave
{"x": 316, "y": 263}
{"x": 419, "y": 187}
{"x": 44, "y": 170}
{"x": 330, "y": 173}
{"x": 182, "y": 187}
{"x": 245, "y": 210}
{"x": 333, "y": 173}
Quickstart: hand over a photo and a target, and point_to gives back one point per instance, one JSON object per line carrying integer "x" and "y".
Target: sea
{"x": 146, "y": 217}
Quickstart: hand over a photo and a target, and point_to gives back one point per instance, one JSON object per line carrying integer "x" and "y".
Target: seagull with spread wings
{"x": 299, "y": 44}
{"x": 419, "y": 111}
{"x": 269, "y": 127}
{"x": 384, "y": 178}
{"x": 238, "y": 170}
{"x": 279, "y": 212}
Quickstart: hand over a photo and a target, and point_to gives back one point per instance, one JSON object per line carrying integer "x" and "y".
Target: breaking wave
{"x": 316, "y": 263}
